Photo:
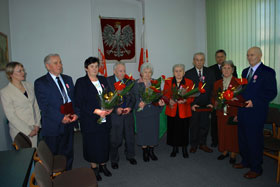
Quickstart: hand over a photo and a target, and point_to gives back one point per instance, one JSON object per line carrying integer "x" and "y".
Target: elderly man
{"x": 53, "y": 90}
{"x": 200, "y": 122}
{"x": 220, "y": 57}
{"x": 122, "y": 121}
{"x": 259, "y": 92}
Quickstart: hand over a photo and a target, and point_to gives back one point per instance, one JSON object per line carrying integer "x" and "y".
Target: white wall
{"x": 175, "y": 30}
{"x": 54, "y": 26}
{"x": 5, "y": 139}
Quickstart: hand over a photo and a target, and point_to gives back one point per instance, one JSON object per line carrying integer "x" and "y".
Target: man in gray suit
{"x": 122, "y": 121}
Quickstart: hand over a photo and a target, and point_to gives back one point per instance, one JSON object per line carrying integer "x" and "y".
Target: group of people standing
{"x": 187, "y": 120}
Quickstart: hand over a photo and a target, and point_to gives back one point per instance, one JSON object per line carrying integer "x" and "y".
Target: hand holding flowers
{"x": 111, "y": 99}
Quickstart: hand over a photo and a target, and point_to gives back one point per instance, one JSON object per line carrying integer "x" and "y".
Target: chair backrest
{"x": 273, "y": 116}
{"x": 22, "y": 141}
{"x": 45, "y": 155}
{"x": 42, "y": 177}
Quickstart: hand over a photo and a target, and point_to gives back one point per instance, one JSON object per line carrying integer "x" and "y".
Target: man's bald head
{"x": 254, "y": 55}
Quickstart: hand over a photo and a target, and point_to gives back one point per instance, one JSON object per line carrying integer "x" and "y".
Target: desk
{"x": 15, "y": 167}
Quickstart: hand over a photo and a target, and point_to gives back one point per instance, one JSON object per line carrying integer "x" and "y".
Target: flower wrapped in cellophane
{"x": 111, "y": 99}
{"x": 183, "y": 92}
{"x": 152, "y": 93}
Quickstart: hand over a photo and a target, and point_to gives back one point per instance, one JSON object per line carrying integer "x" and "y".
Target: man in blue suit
{"x": 53, "y": 90}
{"x": 259, "y": 92}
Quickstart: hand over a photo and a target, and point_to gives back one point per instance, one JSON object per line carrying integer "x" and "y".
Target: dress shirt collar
{"x": 255, "y": 67}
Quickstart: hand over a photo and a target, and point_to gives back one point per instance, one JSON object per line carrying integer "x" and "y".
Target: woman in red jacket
{"x": 178, "y": 111}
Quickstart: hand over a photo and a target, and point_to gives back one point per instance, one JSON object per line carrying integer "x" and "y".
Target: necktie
{"x": 199, "y": 73}
{"x": 64, "y": 95}
{"x": 250, "y": 75}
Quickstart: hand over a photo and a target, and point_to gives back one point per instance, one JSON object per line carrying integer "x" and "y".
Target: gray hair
{"x": 147, "y": 65}
{"x": 178, "y": 65}
{"x": 199, "y": 53}
{"x": 48, "y": 57}
{"x": 228, "y": 62}
{"x": 118, "y": 63}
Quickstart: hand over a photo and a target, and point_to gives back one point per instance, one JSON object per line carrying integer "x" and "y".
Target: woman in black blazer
{"x": 95, "y": 136}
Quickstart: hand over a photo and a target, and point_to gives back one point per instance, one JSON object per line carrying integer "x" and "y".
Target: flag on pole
{"x": 144, "y": 56}
{"x": 102, "y": 67}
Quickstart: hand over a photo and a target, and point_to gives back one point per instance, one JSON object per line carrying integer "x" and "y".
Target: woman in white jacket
{"x": 19, "y": 104}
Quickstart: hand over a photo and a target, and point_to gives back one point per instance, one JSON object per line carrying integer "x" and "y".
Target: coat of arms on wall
{"x": 118, "y": 36}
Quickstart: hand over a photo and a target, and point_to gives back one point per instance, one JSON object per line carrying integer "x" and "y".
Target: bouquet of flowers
{"x": 185, "y": 92}
{"x": 111, "y": 99}
{"x": 231, "y": 92}
{"x": 153, "y": 93}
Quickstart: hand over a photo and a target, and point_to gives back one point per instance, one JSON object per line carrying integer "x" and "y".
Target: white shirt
{"x": 254, "y": 68}
{"x": 99, "y": 90}
{"x": 201, "y": 70}
{"x": 63, "y": 84}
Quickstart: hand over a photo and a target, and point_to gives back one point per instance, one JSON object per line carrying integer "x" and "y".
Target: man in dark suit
{"x": 200, "y": 122}
{"x": 53, "y": 90}
{"x": 122, "y": 121}
{"x": 216, "y": 69}
{"x": 259, "y": 92}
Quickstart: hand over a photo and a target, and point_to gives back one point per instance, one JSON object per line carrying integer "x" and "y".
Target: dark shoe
{"x": 103, "y": 169}
{"x": 232, "y": 160}
{"x": 132, "y": 161}
{"x": 185, "y": 152}
{"x": 97, "y": 175}
{"x": 193, "y": 149}
{"x": 251, "y": 175}
{"x": 222, "y": 156}
{"x": 114, "y": 165}
{"x": 239, "y": 166}
{"x": 214, "y": 145}
{"x": 146, "y": 154}
{"x": 205, "y": 149}
{"x": 174, "y": 151}
{"x": 152, "y": 154}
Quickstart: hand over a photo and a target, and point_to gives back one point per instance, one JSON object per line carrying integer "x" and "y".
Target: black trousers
{"x": 122, "y": 129}
{"x": 62, "y": 144}
{"x": 199, "y": 127}
{"x": 214, "y": 127}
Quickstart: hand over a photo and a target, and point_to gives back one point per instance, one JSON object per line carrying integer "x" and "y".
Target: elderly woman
{"x": 147, "y": 120}
{"x": 227, "y": 132}
{"x": 96, "y": 137}
{"x": 178, "y": 111}
{"x": 20, "y": 105}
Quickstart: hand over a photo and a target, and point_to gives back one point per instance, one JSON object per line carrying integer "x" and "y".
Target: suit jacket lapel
{"x": 52, "y": 84}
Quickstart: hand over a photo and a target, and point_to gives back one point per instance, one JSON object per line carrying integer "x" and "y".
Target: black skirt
{"x": 177, "y": 131}
{"x": 96, "y": 146}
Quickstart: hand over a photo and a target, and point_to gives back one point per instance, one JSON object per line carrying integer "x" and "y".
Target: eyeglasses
{"x": 20, "y": 71}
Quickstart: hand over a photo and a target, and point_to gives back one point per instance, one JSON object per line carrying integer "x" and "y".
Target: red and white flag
{"x": 101, "y": 56}
{"x": 144, "y": 56}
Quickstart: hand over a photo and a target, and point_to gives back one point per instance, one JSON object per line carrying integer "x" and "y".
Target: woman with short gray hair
{"x": 147, "y": 120}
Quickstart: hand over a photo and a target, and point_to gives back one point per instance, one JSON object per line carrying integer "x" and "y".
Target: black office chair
{"x": 21, "y": 141}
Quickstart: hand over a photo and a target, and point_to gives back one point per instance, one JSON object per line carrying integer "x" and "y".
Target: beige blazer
{"x": 22, "y": 113}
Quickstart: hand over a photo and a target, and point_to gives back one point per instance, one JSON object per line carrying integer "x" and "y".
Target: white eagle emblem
{"x": 118, "y": 40}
